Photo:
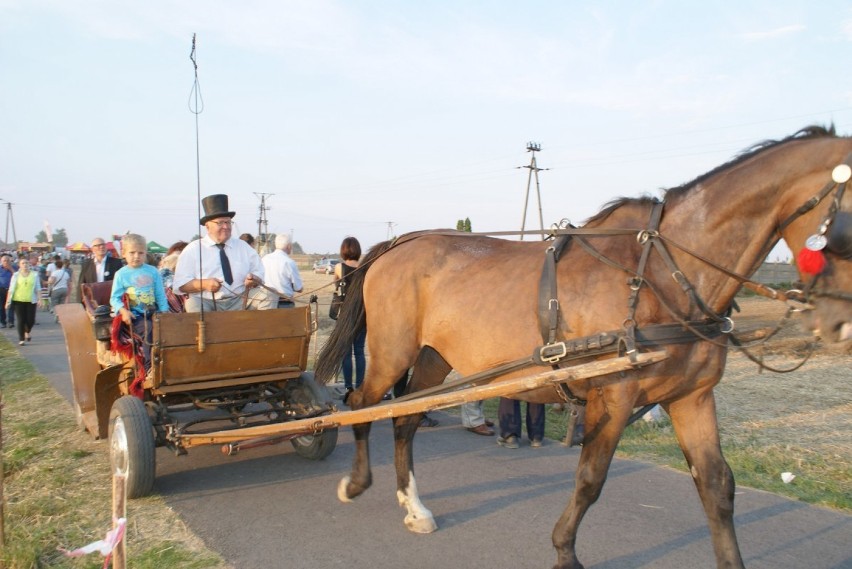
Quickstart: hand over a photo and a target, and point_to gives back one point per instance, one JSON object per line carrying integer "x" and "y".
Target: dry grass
{"x": 58, "y": 489}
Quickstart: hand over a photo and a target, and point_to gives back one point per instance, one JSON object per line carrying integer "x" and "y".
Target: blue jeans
{"x": 509, "y": 412}
{"x": 357, "y": 350}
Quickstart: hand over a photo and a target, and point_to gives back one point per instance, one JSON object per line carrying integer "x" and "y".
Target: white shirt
{"x": 242, "y": 258}
{"x": 282, "y": 274}
{"x": 61, "y": 278}
{"x": 100, "y": 267}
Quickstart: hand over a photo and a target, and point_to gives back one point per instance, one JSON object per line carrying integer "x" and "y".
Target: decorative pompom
{"x": 811, "y": 262}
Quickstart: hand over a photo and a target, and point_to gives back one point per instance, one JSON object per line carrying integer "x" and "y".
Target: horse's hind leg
{"x": 430, "y": 369}
{"x": 605, "y": 421}
{"x": 694, "y": 421}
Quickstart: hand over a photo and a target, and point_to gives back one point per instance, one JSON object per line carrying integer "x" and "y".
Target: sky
{"x": 374, "y": 118}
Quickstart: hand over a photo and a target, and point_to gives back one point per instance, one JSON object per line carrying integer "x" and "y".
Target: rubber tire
{"x": 313, "y": 447}
{"x": 131, "y": 445}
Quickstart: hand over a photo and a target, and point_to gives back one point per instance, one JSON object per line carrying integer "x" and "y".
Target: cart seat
{"x": 93, "y": 295}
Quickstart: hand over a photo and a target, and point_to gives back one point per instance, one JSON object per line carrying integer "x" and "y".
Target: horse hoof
{"x": 342, "y": 494}
{"x": 420, "y": 524}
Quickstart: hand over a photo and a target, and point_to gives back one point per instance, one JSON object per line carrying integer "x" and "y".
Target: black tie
{"x": 226, "y": 264}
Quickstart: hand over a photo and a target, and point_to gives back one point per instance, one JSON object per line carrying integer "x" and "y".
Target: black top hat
{"x": 215, "y": 206}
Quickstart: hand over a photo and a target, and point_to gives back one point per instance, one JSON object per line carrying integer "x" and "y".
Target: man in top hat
{"x": 228, "y": 266}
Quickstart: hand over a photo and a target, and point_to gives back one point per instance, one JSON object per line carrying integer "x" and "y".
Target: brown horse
{"x": 439, "y": 302}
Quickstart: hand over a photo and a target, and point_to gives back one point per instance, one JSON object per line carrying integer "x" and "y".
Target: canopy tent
{"x": 154, "y": 247}
{"x": 78, "y": 247}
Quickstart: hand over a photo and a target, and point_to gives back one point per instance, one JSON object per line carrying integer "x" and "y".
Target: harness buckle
{"x": 798, "y": 304}
{"x": 727, "y": 325}
{"x": 553, "y": 303}
{"x": 552, "y": 353}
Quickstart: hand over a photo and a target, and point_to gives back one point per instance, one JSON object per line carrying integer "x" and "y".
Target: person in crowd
{"x": 24, "y": 292}
{"x": 473, "y": 419}
{"x": 509, "y": 414}
{"x": 350, "y": 252}
{"x": 248, "y": 238}
{"x": 169, "y": 262}
{"x": 58, "y": 284}
{"x": 7, "y": 269}
{"x": 282, "y": 274}
{"x": 138, "y": 292}
{"x": 216, "y": 270}
{"x": 101, "y": 267}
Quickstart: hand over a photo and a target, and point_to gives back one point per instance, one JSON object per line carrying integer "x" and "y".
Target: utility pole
{"x": 533, "y": 147}
{"x": 391, "y": 225}
{"x": 10, "y": 219}
{"x": 262, "y": 222}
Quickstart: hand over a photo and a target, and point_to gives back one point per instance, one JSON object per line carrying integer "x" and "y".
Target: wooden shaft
{"x": 392, "y": 409}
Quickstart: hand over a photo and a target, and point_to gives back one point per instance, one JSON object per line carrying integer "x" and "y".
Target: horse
{"x": 437, "y": 301}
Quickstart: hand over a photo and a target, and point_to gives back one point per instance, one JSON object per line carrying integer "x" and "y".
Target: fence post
{"x": 119, "y": 510}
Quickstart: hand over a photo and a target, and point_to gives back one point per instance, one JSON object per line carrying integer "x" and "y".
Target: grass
{"x": 57, "y": 487}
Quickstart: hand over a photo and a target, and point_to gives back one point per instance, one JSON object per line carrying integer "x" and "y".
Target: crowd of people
{"x": 215, "y": 272}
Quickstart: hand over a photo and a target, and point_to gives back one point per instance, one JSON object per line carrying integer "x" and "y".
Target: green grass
{"x": 57, "y": 487}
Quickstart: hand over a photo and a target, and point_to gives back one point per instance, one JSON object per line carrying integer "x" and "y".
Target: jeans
{"x": 357, "y": 350}
{"x": 509, "y": 412}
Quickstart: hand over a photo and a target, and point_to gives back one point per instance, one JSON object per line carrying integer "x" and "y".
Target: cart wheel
{"x": 131, "y": 445}
{"x": 308, "y": 391}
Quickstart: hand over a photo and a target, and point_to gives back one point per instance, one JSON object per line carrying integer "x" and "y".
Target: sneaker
{"x": 509, "y": 442}
{"x": 536, "y": 443}
{"x": 21, "y": 343}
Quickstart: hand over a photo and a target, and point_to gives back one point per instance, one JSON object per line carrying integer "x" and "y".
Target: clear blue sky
{"x": 356, "y": 114}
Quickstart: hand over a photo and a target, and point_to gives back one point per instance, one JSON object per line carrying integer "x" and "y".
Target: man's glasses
{"x": 99, "y": 245}
{"x": 223, "y": 223}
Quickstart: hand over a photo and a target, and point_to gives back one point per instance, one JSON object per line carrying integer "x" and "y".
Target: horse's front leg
{"x": 604, "y": 424}
{"x": 417, "y": 518}
{"x": 694, "y": 421}
{"x": 361, "y": 477}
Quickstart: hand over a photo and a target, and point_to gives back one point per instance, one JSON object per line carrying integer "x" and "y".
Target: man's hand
{"x": 252, "y": 281}
{"x": 211, "y": 285}
{"x": 126, "y": 317}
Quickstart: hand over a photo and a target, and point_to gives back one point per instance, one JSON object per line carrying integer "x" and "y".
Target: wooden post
{"x": 119, "y": 510}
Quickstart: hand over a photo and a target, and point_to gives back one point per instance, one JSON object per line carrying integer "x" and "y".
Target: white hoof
{"x": 420, "y": 523}
{"x": 341, "y": 490}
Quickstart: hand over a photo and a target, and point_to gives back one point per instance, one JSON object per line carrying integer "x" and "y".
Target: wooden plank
{"x": 183, "y": 364}
{"x": 432, "y": 402}
{"x": 172, "y": 329}
{"x": 206, "y": 383}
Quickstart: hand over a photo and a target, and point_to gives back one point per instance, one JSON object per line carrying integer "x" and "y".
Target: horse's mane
{"x": 813, "y": 131}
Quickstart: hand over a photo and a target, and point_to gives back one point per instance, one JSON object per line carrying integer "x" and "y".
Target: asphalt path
{"x": 495, "y": 508}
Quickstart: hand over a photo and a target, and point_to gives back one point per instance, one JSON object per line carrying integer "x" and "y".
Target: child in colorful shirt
{"x": 143, "y": 286}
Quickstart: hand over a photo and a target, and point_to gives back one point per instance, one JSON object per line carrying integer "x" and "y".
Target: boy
{"x": 143, "y": 287}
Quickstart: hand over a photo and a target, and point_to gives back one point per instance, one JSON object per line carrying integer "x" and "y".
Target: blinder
{"x": 839, "y": 235}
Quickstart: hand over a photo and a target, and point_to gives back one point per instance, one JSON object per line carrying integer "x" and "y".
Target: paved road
{"x": 268, "y": 508}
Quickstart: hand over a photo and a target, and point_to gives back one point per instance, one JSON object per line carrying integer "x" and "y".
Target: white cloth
{"x": 242, "y": 258}
{"x": 282, "y": 274}
{"x": 100, "y": 267}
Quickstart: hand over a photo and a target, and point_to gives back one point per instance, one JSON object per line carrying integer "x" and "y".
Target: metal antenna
{"x": 262, "y": 222}
{"x": 10, "y": 219}
{"x": 533, "y": 147}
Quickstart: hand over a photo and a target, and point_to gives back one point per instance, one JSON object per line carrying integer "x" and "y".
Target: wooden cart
{"x": 245, "y": 384}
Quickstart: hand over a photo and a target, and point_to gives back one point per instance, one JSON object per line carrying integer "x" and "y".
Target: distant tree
{"x": 460, "y": 225}
{"x": 467, "y": 226}
{"x": 463, "y": 225}
{"x": 297, "y": 249}
{"x": 60, "y": 239}
{"x": 41, "y": 237}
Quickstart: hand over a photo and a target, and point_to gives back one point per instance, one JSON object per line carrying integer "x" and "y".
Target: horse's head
{"x": 828, "y": 248}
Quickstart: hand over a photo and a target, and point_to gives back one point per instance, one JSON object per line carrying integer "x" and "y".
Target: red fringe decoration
{"x": 811, "y": 262}
{"x": 122, "y": 340}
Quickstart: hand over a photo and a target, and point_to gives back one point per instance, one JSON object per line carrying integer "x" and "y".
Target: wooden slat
{"x": 231, "y": 326}
{"x": 292, "y": 373}
{"x": 183, "y": 363}
{"x": 413, "y": 406}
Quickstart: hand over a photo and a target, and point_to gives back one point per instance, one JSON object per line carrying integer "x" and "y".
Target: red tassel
{"x": 811, "y": 262}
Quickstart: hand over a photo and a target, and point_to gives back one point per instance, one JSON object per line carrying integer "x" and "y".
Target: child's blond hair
{"x": 134, "y": 239}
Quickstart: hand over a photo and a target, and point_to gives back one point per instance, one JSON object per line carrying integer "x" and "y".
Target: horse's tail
{"x": 352, "y": 318}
